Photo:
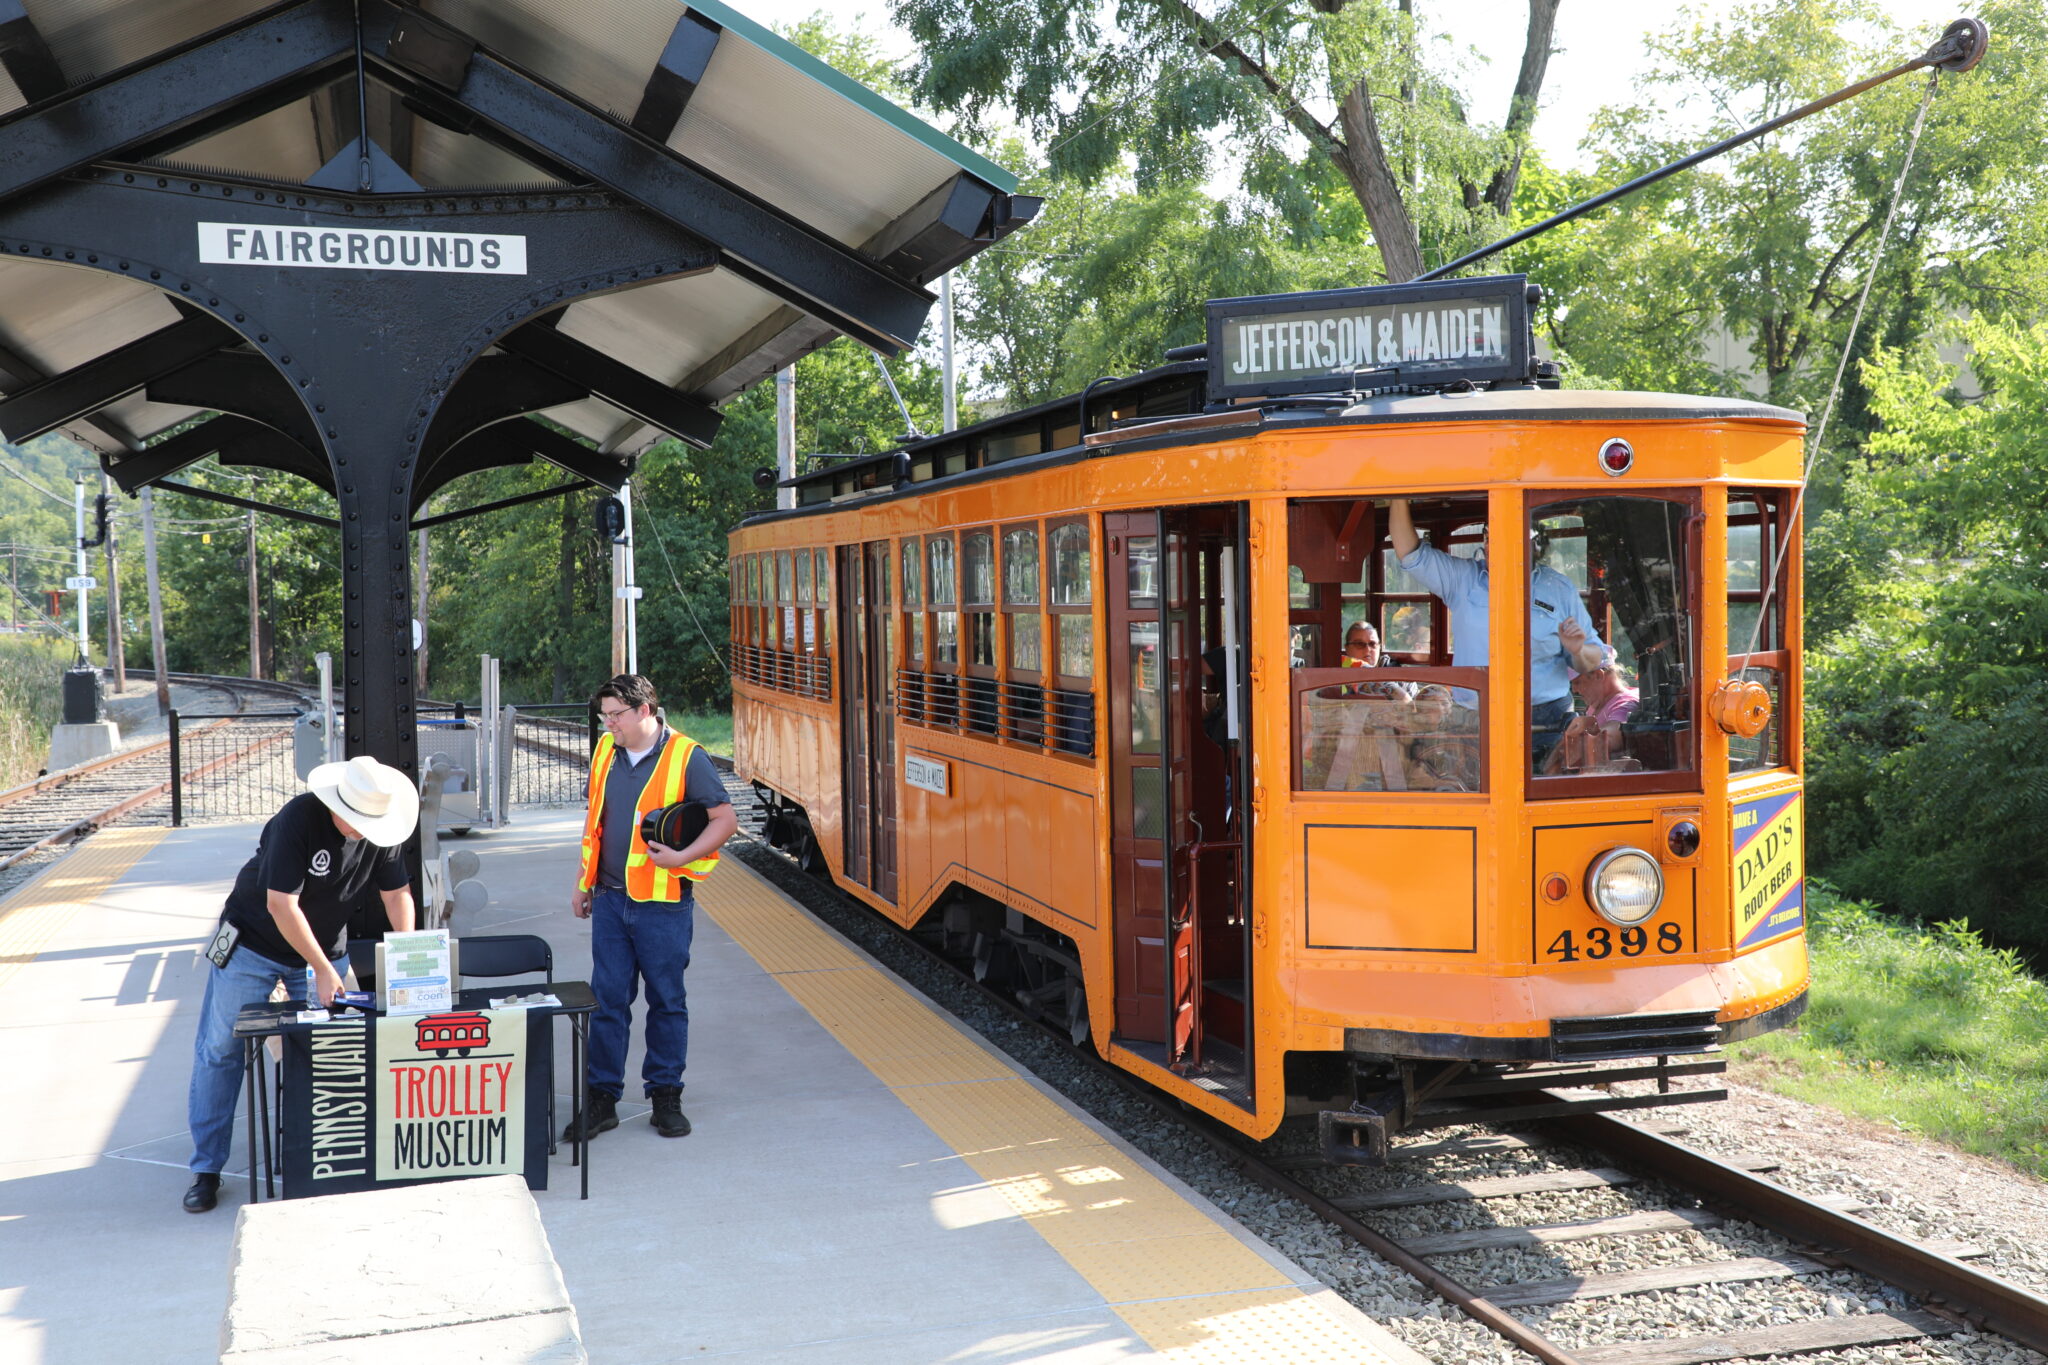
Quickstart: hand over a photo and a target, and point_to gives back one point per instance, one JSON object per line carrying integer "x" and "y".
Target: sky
{"x": 1600, "y": 49}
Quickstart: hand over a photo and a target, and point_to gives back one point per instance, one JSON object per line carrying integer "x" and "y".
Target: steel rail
{"x": 51, "y": 781}
{"x": 90, "y": 823}
{"x": 1945, "y": 1284}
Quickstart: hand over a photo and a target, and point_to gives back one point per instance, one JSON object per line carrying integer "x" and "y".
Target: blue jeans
{"x": 632, "y": 942}
{"x": 217, "y": 1053}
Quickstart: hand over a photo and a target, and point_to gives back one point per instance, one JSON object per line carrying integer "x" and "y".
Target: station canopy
{"x": 825, "y": 208}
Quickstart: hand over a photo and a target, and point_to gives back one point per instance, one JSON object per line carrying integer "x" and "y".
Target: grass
{"x": 712, "y": 729}
{"x": 1921, "y": 1027}
{"x": 32, "y": 702}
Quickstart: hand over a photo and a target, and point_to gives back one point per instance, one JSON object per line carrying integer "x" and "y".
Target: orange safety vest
{"x": 644, "y": 880}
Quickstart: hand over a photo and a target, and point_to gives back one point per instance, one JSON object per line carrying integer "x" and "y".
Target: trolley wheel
{"x": 460, "y": 831}
{"x": 441, "y": 1053}
{"x": 463, "y": 1051}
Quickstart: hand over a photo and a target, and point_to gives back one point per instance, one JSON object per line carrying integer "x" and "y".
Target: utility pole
{"x": 156, "y": 604}
{"x": 785, "y": 435}
{"x": 255, "y": 616}
{"x": 619, "y": 600}
{"x": 421, "y": 662}
{"x": 946, "y": 350}
{"x": 116, "y": 655}
{"x": 78, "y": 523}
{"x": 14, "y": 587}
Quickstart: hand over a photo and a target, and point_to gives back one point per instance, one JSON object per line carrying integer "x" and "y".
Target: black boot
{"x": 600, "y": 1114}
{"x": 668, "y": 1111}
{"x": 204, "y": 1194}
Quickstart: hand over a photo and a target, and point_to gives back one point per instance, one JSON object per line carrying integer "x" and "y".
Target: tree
{"x": 1309, "y": 95}
{"x": 1928, "y": 708}
{"x": 1775, "y": 241}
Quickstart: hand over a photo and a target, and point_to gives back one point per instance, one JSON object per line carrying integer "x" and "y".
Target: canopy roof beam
{"x": 81, "y": 392}
{"x": 232, "y": 75}
{"x": 618, "y": 384}
{"x": 787, "y": 258}
{"x": 674, "y": 79}
{"x": 236, "y": 440}
{"x": 242, "y": 383}
{"x": 26, "y": 56}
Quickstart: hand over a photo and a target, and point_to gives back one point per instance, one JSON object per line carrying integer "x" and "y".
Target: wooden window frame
{"x": 989, "y": 674}
{"x": 1067, "y": 682}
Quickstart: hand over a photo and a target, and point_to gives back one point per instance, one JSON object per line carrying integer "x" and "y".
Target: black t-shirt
{"x": 302, "y": 853}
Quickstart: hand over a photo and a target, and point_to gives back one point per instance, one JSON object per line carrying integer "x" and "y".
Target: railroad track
{"x": 62, "y": 806}
{"x": 1543, "y": 1230}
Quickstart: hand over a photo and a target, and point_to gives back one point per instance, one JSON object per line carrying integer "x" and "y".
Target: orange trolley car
{"x": 1071, "y": 687}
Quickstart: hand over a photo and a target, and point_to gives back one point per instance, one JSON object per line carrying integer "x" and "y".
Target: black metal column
{"x": 371, "y": 349}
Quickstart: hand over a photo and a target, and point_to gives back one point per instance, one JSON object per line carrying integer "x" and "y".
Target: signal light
{"x": 1555, "y": 888}
{"x": 1684, "y": 839}
{"x": 1617, "y": 457}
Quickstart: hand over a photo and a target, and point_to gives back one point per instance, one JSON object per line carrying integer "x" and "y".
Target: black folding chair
{"x": 499, "y": 955}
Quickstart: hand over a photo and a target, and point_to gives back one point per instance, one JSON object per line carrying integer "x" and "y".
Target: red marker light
{"x": 1556, "y": 889}
{"x": 1616, "y": 457}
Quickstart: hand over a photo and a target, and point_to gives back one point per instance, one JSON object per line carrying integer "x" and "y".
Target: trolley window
{"x": 1612, "y": 644}
{"x": 978, "y": 702}
{"x": 1759, "y": 589}
{"x": 1023, "y": 692}
{"x": 1367, "y": 719}
{"x": 1070, "y": 600}
{"x": 913, "y": 602}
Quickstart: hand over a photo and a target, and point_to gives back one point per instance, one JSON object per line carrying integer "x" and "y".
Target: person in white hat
{"x": 288, "y": 912}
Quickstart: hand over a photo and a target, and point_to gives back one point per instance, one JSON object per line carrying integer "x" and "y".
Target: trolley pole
{"x": 156, "y": 603}
{"x": 421, "y": 662}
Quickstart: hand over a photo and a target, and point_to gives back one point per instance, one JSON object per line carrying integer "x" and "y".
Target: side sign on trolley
{"x": 1339, "y": 339}
{"x": 1770, "y": 868}
{"x": 926, "y": 774}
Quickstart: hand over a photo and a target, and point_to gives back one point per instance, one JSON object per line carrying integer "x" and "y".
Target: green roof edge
{"x": 777, "y": 46}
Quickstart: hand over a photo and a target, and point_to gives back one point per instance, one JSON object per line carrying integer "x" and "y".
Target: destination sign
{"x": 293, "y": 247}
{"x": 1340, "y": 339}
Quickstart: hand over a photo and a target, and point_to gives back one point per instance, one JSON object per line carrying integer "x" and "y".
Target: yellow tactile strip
{"x": 33, "y": 913}
{"x": 1189, "y": 1288}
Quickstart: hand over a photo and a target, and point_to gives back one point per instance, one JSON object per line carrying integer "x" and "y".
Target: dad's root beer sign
{"x": 401, "y": 1099}
{"x": 1769, "y": 868}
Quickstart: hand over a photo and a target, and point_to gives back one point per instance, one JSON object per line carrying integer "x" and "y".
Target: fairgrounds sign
{"x": 402, "y": 1099}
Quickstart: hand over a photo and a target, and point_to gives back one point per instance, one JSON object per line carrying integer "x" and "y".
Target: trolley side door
{"x": 1132, "y": 595}
{"x": 854, "y": 710}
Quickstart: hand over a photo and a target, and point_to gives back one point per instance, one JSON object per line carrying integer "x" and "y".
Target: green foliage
{"x": 31, "y": 702}
{"x": 1924, "y": 1027}
{"x": 1927, "y": 724}
{"x": 1166, "y": 93}
{"x": 1771, "y": 244}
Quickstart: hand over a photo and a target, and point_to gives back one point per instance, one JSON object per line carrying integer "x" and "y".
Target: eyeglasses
{"x": 609, "y": 716}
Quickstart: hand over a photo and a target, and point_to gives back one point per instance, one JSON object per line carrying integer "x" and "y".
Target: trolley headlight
{"x": 1625, "y": 886}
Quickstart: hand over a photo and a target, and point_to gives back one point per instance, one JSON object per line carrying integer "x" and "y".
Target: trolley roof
{"x": 246, "y": 91}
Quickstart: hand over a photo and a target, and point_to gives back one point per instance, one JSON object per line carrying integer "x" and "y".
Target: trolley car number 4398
{"x": 1601, "y": 941}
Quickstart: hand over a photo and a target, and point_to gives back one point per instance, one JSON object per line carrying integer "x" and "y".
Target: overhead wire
{"x": 683, "y": 596}
{"x": 1817, "y": 445}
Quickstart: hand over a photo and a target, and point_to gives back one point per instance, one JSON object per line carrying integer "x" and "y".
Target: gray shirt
{"x": 622, "y": 787}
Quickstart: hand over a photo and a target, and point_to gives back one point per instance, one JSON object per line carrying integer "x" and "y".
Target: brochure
{"x": 526, "y": 1002}
{"x": 417, "y": 975}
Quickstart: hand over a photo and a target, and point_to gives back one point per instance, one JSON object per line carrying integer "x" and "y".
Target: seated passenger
{"x": 1593, "y": 741}
{"x": 1362, "y": 650}
{"x": 1606, "y": 695}
{"x": 1561, "y": 633}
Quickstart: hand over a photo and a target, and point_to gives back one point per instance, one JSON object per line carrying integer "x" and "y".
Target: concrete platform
{"x": 866, "y": 1181}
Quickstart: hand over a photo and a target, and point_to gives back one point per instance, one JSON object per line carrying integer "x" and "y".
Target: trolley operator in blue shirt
{"x": 636, "y": 895}
{"x": 1562, "y": 640}
{"x": 287, "y": 920}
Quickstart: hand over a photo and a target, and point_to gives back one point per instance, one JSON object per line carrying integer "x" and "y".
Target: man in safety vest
{"x": 637, "y": 898}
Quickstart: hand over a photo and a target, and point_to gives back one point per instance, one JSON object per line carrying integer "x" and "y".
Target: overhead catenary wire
{"x": 1827, "y": 412}
{"x": 684, "y": 597}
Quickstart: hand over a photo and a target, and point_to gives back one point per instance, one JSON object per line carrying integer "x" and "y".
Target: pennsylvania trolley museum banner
{"x": 402, "y": 1099}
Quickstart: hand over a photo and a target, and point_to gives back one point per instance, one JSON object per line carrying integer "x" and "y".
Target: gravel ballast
{"x": 1912, "y": 1187}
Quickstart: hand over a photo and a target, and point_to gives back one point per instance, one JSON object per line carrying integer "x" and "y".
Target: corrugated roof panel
{"x": 93, "y": 37}
{"x": 847, "y": 172}
{"x": 601, "y": 53}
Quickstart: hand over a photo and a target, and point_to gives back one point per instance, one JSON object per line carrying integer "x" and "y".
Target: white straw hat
{"x": 376, "y": 800}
